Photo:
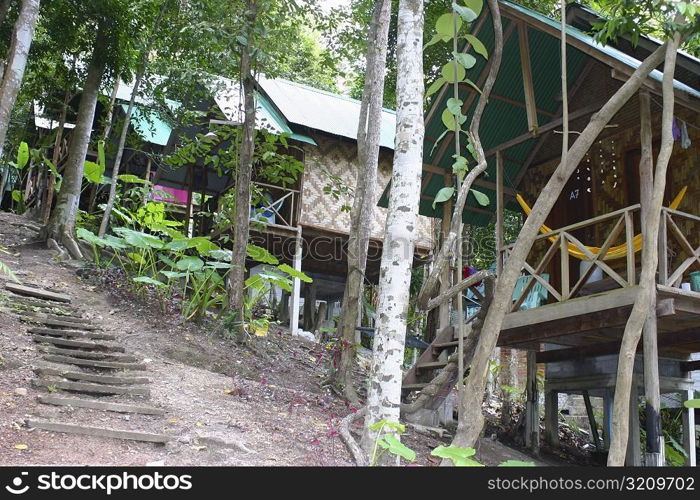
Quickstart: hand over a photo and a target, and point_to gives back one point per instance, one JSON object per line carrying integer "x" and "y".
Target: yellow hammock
{"x": 613, "y": 253}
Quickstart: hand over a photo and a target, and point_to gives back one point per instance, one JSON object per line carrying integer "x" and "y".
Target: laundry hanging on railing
{"x": 615, "y": 252}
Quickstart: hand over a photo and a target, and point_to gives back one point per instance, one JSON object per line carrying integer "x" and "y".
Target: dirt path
{"x": 220, "y": 399}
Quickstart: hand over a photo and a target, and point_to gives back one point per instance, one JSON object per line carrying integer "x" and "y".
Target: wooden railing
{"x": 670, "y": 235}
{"x": 677, "y": 255}
{"x": 562, "y": 242}
{"x": 283, "y": 197}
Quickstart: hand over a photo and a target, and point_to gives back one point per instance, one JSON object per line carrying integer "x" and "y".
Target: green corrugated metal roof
{"x": 269, "y": 113}
{"x": 502, "y": 120}
{"x": 149, "y": 125}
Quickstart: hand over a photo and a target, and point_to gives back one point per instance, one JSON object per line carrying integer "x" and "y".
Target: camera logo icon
{"x": 16, "y": 488}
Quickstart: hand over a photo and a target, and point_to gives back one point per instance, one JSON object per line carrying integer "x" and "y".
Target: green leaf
{"x": 455, "y": 106}
{"x": 433, "y": 41}
{"x": 173, "y": 275}
{"x": 395, "y": 446}
{"x": 259, "y": 254}
{"x": 294, "y": 273}
{"x": 190, "y": 264}
{"x": 516, "y": 463}
{"x": 435, "y": 87}
{"x": 464, "y": 12}
{"x": 222, "y": 255}
{"x": 91, "y": 237}
{"x": 460, "y": 164}
{"x": 133, "y": 179}
{"x": 475, "y": 5}
{"x": 17, "y": 196}
{"x": 204, "y": 245}
{"x": 149, "y": 281}
{"x": 459, "y": 456}
{"x": 443, "y": 195}
{"x": 136, "y": 257}
{"x": 479, "y": 47}
{"x": 22, "y": 155}
{"x": 692, "y": 403}
{"x": 445, "y": 26}
{"x": 101, "y": 155}
{"x": 139, "y": 239}
{"x": 473, "y": 85}
{"x": 466, "y": 60}
{"x": 437, "y": 141}
{"x": 449, "y": 74}
{"x": 481, "y": 198}
{"x": 93, "y": 172}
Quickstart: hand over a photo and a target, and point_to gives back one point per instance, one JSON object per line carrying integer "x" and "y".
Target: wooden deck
{"x": 593, "y": 324}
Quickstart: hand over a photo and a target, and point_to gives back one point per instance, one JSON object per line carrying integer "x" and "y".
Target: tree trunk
{"x": 647, "y": 281}
{"x": 384, "y": 391}
{"x": 241, "y": 229}
{"x": 61, "y": 225}
{"x": 471, "y": 417}
{"x": 57, "y": 146}
{"x": 368, "y": 135}
{"x": 16, "y": 63}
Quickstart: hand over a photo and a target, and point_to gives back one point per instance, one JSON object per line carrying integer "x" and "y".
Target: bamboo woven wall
{"x": 338, "y": 157}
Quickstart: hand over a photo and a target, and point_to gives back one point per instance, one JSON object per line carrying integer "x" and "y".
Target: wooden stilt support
{"x": 689, "y": 431}
{"x": 591, "y": 421}
{"x": 551, "y": 418}
{"x": 532, "y": 410}
{"x": 634, "y": 447}
{"x": 296, "y": 286}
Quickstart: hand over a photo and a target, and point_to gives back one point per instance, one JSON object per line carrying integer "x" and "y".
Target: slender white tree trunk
{"x": 16, "y": 63}
{"x": 368, "y": 135}
{"x": 384, "y": 391}
{"x": 646, "y": 297}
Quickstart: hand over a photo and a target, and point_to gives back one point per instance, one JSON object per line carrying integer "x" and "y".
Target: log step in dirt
{"x": 37, "y": 292}
{"x": 80, "y": 344}
{"x": 55, "y": 332}
{"x": 43, "y": 304}
{"x": 95, "y": 364}
{"x": 98, "y": 431}
{"x": 92, "y": 388}
{"x": 99, "y": 405}
{"x": 56, "y": 322}
{"x": 92, "y": 377}
{"x": 79, "y": 353}
{"x": 75, "y": 320}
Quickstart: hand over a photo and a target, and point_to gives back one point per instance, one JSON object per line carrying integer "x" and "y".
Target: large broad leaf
{"x": 139, "y": 239}
{"x": 445, "y": 26}
{"x": 453, "y": 73}
{"x": 149, "y": 281}
{"x": 217, "y": 265}
{"x": 464, "y": 12}
{"x": 93, "y": 172}
{"x": 133, "y": 179}
{"x": 436, "y": 86}
{"x": 22, "y": 155}
{"x": 222, "y": 255}
{"x": 475, "y": 5}
{"x": 114, "y": 242}
{"x": 204, "y": 245}
{"x": 443, "y": 195}
{"x": 454, "y": 105}
{"x": 516, "y": 463}
{"x": 392, "y": 444}
{"x": 692, "y": 403}
{"x": 259, "y": 254}
{"x": 173, "y": 275}
{"x": 294, "y": 273}
{"x": 91, "y": 237}
{"x": 466, "y": 60}
{"x": 479, "y": 47}
{"x": 459, "y": 456}
{"x": 190, "y": 264}
{"x": 58, "y": 178}
{"x": 481, "y": 198}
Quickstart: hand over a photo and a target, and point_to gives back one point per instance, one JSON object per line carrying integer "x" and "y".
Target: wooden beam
{"x": 528, "y": 87}
{"x": 690, "y": 366}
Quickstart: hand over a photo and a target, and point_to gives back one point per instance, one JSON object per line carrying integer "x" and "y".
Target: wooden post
{"x": 652, "y": 391}
{"x": 499, "y": 213}
{"x": 634, "y": 448}
{"x": 607, "y": 416}
{"x": 309, "y": 306}
{"x": 532, "y": 410}
{"x": 551, "y": 418}
{"x": 146, "y": 187}
{"x": 296, "y": 286}
{"x": 591, "y": 420}
{"x": 528, "y": 87}
{"x": 689, "y": 430}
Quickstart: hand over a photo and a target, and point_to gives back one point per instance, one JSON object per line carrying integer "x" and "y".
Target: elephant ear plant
{"x": 191, "y": 270}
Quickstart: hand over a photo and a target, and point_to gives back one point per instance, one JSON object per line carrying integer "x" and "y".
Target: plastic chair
{"x": 538, "y": 293}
